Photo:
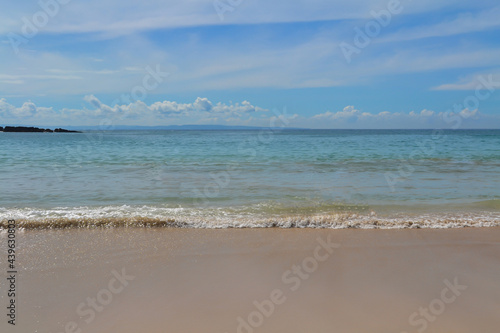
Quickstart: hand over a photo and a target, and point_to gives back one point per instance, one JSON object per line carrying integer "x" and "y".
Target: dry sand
{"x": 196, "y": 280}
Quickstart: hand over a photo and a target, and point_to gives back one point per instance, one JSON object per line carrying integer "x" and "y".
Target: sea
{"x": 272, "y": 177}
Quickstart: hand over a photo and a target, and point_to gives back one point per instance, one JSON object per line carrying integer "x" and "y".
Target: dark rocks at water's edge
{"x": 34, "y": 130}
{"x": 62, "y": 130}
{"x": 25, "y": 129}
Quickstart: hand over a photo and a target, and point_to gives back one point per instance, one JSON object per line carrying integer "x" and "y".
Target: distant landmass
{"x": 189, "y": 127}
{"x": 77, "y": 129}
{"x": 25, "y": 129}
{"x": 174, "y": 127}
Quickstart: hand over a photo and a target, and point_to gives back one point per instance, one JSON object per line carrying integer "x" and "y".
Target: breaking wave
{"x": 231, "y": 217}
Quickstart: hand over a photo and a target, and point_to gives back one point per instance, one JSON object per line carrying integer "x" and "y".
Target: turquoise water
{"x": 250, "y": 173}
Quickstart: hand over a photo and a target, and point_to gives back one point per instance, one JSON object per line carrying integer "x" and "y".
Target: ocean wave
{"x": 220, "y": 218}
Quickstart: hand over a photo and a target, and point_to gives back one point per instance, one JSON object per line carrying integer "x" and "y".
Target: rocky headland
{"x": 25, "y": 129}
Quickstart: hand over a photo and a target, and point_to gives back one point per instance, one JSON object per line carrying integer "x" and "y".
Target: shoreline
{"x": 316, "y": 221}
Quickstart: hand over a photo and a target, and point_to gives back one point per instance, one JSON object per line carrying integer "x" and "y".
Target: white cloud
{"x": 427, "y": 113}
{"x": 461, "y": 24}
{"x": 349, "y": 112}
{"x": 115, "y": 17}
{"x": 39, "y": 77}
{"x": 9, "y": 82}
{"x": 466, "y": 113}
{"x": 91, "y": 99}
{"x": 201, "y": 108}
{"x": 483, "y": 81}
{"x": 26, "y": 111}
{"x": 350, "y": 117}
{"x": 263, "y": 60}
{"x": 304, "y": 64}
{"x": 203, "y": 111}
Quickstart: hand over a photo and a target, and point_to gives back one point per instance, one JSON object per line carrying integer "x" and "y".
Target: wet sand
{"x": 256, "y": 280}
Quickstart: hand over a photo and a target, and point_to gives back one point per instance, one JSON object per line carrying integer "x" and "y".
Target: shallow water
{"x": 251, "y": 176}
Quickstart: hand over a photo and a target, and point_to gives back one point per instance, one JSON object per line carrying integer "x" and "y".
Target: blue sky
{"x": 241, "y": 62}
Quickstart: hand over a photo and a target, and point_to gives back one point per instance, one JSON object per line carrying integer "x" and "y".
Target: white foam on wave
{"x": 218, "y": 218}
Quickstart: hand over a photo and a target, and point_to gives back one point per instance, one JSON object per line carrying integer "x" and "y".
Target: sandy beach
{"x": 257, "y": 280}
{"x": 234, "y": 166}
